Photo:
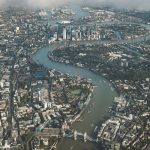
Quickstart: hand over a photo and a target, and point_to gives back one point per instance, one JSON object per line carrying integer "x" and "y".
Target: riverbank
{"x": 76, "y": 118}
{"x": 116, "y": 68}
{"x": 102, "y": 97}
{"x": 57, "y": 66}
{"x": 113, "y": 85}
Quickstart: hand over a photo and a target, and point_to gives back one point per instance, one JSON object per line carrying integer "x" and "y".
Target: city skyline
{"x": 134, "y": 4}
{"x": 74, "y": 77}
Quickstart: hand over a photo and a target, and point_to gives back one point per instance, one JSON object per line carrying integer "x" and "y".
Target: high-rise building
{"x": 60, "y": 28}
{"x": 76, "y": 34}
{"x": 70, "y": 33}
{"x": 64, "y": 33}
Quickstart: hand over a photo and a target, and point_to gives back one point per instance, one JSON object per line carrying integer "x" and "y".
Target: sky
{"x": 135, "y": 4}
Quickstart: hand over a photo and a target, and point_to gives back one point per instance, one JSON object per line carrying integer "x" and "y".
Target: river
{"x": 102, "y": 98}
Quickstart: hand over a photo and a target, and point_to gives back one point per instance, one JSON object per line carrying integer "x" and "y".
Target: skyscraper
{"x": 64, "y": 33}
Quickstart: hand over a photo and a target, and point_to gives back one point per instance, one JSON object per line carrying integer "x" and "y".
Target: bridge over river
{"x": 80, "y": 136}
{"x": 103, "y": 94}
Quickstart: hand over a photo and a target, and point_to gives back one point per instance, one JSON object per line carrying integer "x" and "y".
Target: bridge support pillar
{"x": 85, "y": 137}
{"x": 75, "y": 135}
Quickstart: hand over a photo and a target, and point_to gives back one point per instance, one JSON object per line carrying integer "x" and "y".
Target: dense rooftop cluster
{"x": 38, "y": 105}
{"x": 129, "y": 71}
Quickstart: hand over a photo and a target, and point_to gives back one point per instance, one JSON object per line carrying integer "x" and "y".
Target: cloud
{"x": 136, "y": 4}
{"x": 32, "y": 3}
{"x": 132, "y": 4}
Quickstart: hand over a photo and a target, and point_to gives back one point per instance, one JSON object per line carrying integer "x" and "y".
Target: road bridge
{"x": 80, "y": 136}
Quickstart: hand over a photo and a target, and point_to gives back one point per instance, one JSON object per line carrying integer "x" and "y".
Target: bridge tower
{"x": 75, "y": 135}
{"x": 85, "y": 137}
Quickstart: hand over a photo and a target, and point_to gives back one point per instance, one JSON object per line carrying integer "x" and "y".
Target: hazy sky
{"x": 138, "y": 4}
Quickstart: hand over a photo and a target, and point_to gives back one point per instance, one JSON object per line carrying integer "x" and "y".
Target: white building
{"x": 64, "y": 33}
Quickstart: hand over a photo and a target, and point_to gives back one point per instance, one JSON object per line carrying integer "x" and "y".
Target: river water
{"x": 102, "y": 98}
{"x": 76, "y": 9}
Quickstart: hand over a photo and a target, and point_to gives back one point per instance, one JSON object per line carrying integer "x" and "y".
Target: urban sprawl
{"x": 38, "y": 105}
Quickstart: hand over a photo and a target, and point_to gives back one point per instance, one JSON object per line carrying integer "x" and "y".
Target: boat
{"x": 95, "y": 128}
{"x": 93, "y": 103}
{"x": 89, "y": 111}
{"x": 112, "y": 89}
{"x": 79, "y": 120}
{"x": 92, "y": 124}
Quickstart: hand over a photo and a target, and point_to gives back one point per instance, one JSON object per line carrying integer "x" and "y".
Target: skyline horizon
{"x": 120, "y": 4}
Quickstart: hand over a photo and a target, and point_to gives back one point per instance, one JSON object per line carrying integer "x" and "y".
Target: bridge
{"x": 54, "y": 146}
{"x": 80, "y": 136}
{"x": 42, "y": 126}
